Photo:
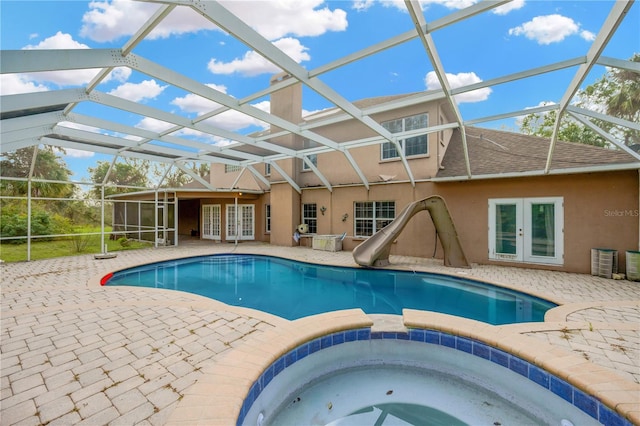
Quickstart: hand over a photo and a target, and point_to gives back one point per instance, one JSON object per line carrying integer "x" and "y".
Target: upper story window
{"x": 415, "y": 145}
{"x": 267, "y": 169}
{"x": 372, "y": 216}
{"x": 229, "y": 168}
{"x": 313, "y": 158}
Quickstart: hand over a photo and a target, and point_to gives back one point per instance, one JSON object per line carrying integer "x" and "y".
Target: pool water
{"x": 293, "y": 290}
{"x": 388, "y": 379}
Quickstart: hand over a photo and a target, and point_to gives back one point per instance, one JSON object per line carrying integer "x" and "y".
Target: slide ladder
{"x": 375, "y": 250}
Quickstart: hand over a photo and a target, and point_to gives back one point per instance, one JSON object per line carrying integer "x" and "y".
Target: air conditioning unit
{"x": 303, "y": 228}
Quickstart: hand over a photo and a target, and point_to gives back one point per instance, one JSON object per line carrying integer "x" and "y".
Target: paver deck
{"x": 73, "y": 352}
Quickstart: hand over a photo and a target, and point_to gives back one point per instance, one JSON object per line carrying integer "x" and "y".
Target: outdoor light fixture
{"x": 322, "y": 210}
{"x": 344, "y": 217}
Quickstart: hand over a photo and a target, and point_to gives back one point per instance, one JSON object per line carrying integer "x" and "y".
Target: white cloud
{"x": 508, "y": 7}
{"x": 252, "y": 64}
{"x": 137, "y": 92}
{"x": 587, "y": 35}
{"x": 234, "y": 120}
{"x": 111, "y": 19}
{"x": 197, "y": 104}
{"x": 229, "y": 120}
{"x": 58, "y": 41}
{"x": 362, "y": 5}
{"x": 548, "y": 29}
{"x": 154, "y": 125}
{"x": 13, "y": 84}
{"x": 460, "y": 80}
{"x": 276, "y": 19}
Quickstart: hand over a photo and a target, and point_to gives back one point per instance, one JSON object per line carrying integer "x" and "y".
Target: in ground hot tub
{"x": 388, "y": 378}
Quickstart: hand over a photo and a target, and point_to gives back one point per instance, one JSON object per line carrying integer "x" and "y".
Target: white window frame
{"x": 313, "y": 158}
{"x": 267, "y": 218}
{"x": 405, "y": 121}
{"x": 267, "y": 169}
{"x": 311, "y": 221}
{"x": 523, "y": 238}
{"x": 377, "y": 223}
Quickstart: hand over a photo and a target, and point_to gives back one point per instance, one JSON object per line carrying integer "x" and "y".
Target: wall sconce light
{"x": 344, "y": 217}
{"x": 322, "y": 210}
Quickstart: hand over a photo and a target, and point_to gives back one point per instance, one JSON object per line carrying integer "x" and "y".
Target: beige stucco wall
{"x": 285, "y": 214}
{"x": 600, "y": 210}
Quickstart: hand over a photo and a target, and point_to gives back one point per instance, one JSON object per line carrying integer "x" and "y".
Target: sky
{"x": 514, "y": 37}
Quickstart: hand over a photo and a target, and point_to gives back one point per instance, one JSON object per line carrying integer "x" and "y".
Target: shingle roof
{"x": 495, "y": 151}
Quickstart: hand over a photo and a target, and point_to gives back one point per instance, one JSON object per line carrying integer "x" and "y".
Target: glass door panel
{"x": 505, "y": 230}
{"x": 211, "y": 221}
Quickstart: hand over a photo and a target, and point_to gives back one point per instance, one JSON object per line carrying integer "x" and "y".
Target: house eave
{"x": 541, "y": 172}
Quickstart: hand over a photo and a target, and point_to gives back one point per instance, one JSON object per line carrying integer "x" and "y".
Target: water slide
{"x": 375, "y": 250}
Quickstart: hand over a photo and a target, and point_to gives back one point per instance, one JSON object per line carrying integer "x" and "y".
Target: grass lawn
{"x": 69, "y": 246}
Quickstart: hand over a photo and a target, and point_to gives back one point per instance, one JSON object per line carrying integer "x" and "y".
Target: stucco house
{"x": 509, "y": 203}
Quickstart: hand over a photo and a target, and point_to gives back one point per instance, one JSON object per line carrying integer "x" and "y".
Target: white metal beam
{"x": 604, "y": 134}
{"x": 618, "y": 11}
{"x": 604, "y": 117}
{"x": 259, "y": 176}
{"x": 286, "y": 177}
{"x": 148, "y": 136}
{"x": 317, "y": 172}
{"x": 415, "y": 10}
{"x": 195, "y": 176}
{"x": 220, "y": 16}
{"x": 22, "y": 123}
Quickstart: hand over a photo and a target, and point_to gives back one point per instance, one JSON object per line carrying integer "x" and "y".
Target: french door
{"x": 242, "y": 223}
{"x": 211, "y": 223}
{"x": 527, "y": 230}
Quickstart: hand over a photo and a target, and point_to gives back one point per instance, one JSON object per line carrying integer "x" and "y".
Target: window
{"x": 309, "y": 216}
{"x": 267, "y": 216}
{"x": 372, "y": 216}
{"x": 267, "y": 169}
{"x": 527, "y": 230}
{"x": 229, "y": 168}
{"x": 313, "y": 158}
{"x": 415, "y": 145}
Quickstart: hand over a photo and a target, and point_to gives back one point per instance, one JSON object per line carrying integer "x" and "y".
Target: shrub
{"x": 14, "y": 224}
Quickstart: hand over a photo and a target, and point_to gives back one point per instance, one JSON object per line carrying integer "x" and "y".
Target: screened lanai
{"x": 169, "y": 88}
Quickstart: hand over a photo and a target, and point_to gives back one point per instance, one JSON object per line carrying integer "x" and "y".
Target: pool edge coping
{"x": 218, "y": 397}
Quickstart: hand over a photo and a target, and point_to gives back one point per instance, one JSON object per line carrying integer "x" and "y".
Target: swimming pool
{"x": 292, "y": 289}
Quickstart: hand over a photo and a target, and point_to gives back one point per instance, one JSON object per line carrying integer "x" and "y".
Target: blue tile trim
{"x": 499, "y": 357}
{"x": 539, "y": 376}
{"x": 561, "y": 388}
{"x": 464, "y": 345}
{"x": 519, "y": 366}
{"x": 564, "y": 390}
